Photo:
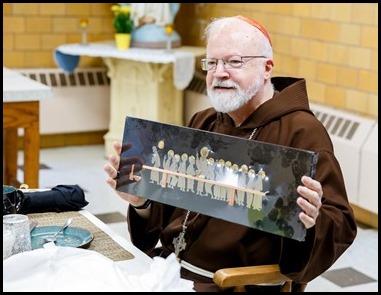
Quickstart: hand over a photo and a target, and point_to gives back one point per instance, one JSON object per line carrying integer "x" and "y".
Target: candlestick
{"x": 169, "y": 31}
{"x": 83, "y": 24}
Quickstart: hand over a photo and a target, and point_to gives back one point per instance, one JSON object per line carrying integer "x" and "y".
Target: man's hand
{"x": 310, "y": 201}
{"x": 126, "y": 168}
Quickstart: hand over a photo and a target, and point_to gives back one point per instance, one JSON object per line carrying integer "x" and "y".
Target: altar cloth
{"x": 67, "y": 58}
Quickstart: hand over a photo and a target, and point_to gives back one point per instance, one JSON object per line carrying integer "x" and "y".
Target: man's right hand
{"x": 125, "y": 165}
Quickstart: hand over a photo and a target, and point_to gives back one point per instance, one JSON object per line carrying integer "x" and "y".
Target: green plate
{"x": 70, "y": 237}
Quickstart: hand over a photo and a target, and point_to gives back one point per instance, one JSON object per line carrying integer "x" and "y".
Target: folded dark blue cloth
{"x": 66, "y": 62}
{"x": 59, "y": 199}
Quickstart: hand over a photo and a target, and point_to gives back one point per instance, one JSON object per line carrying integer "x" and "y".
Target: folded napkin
{"x": 66, "y": 269}
{"x": 59, "y": 199}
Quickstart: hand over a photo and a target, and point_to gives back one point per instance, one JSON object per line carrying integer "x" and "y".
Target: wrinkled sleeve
{"x": 145, "y": 233}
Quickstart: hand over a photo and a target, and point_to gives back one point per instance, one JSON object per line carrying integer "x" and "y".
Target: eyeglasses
{"x": 230, "y": 62}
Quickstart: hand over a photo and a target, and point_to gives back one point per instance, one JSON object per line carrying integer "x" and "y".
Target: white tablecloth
{"x": 17, "y": 87}
{"x": 66, "y": 269}
{"x": 183, "y": 60}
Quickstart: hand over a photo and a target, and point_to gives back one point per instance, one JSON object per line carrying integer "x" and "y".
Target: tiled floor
{"x": 355, "y": 271}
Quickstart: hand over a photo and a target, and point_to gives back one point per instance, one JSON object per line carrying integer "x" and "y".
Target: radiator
{"x": 349, "y": 134}
{"x": 368, "y": 186}
{"x": 355, "y": 141}
{"x": 80, "y": 101}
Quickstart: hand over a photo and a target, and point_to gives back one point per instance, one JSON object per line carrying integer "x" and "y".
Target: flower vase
{"x": 122, "y": 41}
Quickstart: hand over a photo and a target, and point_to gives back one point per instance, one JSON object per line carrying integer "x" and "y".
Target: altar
{"x": 145, "y": 83}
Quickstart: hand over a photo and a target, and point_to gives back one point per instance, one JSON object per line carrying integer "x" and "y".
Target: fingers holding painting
{"x": 313, "y": 185}
{"x": 117, "y": 175}
{"x": 111, "y": 173}
{"x": 129, "y": 169}
{"x": 310, "y": 200}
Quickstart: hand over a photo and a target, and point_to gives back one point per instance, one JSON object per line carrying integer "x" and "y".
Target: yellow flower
{"x": 123, "y": 22}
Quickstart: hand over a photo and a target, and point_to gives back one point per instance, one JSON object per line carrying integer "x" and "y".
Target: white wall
{"x": 75, "y": 109}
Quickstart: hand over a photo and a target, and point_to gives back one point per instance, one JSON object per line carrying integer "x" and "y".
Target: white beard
{"x": 234, "y": 99}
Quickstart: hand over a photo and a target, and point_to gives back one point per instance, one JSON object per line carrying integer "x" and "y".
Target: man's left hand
{"x": 310, "y": 201}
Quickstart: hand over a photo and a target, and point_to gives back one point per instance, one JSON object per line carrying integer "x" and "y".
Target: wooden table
{"x": 21, "y": 97}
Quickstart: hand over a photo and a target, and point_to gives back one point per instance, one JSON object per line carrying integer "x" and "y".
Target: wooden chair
{"x": 239, "y": 277}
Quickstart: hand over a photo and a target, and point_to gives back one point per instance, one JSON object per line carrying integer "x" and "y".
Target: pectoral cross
{"x": 179, "y": 243}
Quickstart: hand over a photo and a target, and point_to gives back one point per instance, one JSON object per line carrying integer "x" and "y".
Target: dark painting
{"x": 243, "y": 181}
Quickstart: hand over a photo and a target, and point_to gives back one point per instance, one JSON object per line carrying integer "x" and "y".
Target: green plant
{"x": 123, "y": 23}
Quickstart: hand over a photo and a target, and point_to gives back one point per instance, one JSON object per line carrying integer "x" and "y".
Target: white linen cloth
{"x": 184, "y": 61}
{"x": 66, "y": 269}
{"x": 17, "y": 87}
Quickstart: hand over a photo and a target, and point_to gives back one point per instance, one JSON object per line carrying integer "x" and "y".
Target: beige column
{"x": 143, "y": 90}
